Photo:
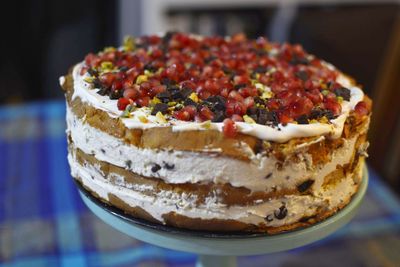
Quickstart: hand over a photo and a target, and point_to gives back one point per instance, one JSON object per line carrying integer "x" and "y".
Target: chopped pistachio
{"x": 143, "y": 119}
{"x": 266, "y": 95}
{"x": 194, "y": 97}
{"x": 160, "y": 118}
{"x": 154, "y": 101}
{"x": 325, "y": 92}
{"x": 107, "y": 65}
{"x": 141, "y": 79}
{"x": 129, "y": 43}
{"x": 88, "y": 79}
{"x": 127, "y": 112}
{"x": 324, "y": 119}
{"x": 171, "y": 104}
{"x": 248, "y": 119}
{"x": 148, "y": 73}
{"x": 206, "y": 124}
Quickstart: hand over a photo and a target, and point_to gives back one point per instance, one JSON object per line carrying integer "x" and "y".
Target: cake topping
{"x": 235, "y": 79}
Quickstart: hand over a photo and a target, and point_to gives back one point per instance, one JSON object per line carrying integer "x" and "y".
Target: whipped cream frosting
{"x": 298, "y": 206}
{"x": 194, "y": 167}
{"x": 281, "y": 133}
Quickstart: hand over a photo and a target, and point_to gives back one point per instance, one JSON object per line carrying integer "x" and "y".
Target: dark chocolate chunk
{"x": 102, "y": 150}
{"x": 168, "y": 166}
{"x": 150, "y": 67}
{"x": 269, "y": 218}
{"x": 296, "y": 60}
{"x": 305, "y": 185}
{"x": 302, "y": 119}
{"x": 215, "y": 103}
{"x": 342, "y": 92}
{"x": 319, "y": 113}
{"x": 268, "y": 175}
{"x": 219, "y": 116}
{"x": 123, "y": 68}
{"x": 155, "y": 167}
{"x": 302, "y": 75}
{"x": 186, "y": 92}
{"x": 281, "y": 213}
{"x": 189, "y": 102}
{"x": 167, "y": 82}
{"x": 93, "y": 72}
{"x": 128, "y": 163}
{"x": 159, "y": 107}
{"x": 240, "y": 85}
{"x": 164, "y": 96}
{"x": 259, "y": 100}
{"x": 116, "y": 94}
{"x": 260, "y": 69}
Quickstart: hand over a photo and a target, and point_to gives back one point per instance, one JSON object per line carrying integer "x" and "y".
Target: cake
{"x": 216, "y": 133}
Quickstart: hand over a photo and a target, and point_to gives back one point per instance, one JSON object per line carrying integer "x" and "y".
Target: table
{"x": 43, "y": 222}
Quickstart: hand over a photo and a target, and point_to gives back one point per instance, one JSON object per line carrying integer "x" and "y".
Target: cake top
{"x": 182, "y": 77}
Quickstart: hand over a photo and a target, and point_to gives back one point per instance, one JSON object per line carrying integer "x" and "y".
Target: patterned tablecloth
{"x": 43, "y": 222}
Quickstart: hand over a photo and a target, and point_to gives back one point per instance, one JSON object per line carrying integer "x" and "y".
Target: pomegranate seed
{"x": 131, "y": 93}
{"x": 333, "y": 106}
{"x": 229, "y": 129}
{"x": 191, "y": 110}
{"x": 182, "y": 115}
{"x": 236, "y": 117}
{"x": 122, "y": 103}
{"x": 206, "y": 114}
{"x": 248, "y": 102}
{"x": 235, "y": 96}
{"x": 143, "y": 101}
{"x": 107, "y": 79}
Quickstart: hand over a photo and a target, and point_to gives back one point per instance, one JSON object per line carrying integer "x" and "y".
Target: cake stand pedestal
{"x": 221, "y": 249}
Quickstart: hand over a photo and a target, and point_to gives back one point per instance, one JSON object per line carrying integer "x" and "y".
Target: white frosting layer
{"x": 259, "y": 174}
{"x": 298, "y": 206}
{"x": 276, "y": 134}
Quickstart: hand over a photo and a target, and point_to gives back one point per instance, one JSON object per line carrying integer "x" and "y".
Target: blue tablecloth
{"x": 43, "y": 222}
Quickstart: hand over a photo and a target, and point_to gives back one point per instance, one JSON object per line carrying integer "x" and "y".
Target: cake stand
{"x": 221, "y": 249}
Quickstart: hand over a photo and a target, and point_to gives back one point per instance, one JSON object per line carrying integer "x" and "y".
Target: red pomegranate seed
{"x": 236, "y": 117}
{"x": 131, "y": 93}
{"x": 206, "y": 114}
{"x": 333, "y": 106}
{"x": 248, "y": 102}
{"x": 107, "y": 79}
{"x": 182, "y": 115}
{"x": 191, "y": 110}
{"x": 229, "y": 128}
{"x": 143, "y": 101}
{"x": 122, "y": 103}
{"x": 156, "y": 90}
{"x": 235, "y": 96}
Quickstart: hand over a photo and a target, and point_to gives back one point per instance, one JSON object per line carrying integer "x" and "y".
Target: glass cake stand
{"x": 220, "y": 249}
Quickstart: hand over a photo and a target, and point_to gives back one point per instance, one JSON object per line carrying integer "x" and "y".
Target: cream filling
{"x": 297, "y": 206}
{"x": 259, "y": 174}
{"x": 280, "y": 133}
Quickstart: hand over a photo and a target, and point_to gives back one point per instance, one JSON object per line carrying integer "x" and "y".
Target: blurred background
{"x": 362, "y": 38}
{"x": 42, "y": 39}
